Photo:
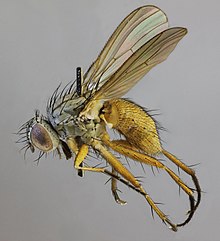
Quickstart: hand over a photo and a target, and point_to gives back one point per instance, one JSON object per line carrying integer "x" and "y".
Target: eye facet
{"x": 43, "y": 137}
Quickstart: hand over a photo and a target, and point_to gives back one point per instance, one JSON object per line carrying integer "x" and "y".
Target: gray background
{"x": 42, "y": 42}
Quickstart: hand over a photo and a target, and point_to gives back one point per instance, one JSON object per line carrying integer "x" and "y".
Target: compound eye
{"x": 43, "y": 138}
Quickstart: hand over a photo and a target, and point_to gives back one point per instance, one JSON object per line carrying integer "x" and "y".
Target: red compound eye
{"x": 41, "y": 138}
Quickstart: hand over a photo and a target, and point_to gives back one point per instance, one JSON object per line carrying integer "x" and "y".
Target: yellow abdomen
{"x": 134, "y": 123}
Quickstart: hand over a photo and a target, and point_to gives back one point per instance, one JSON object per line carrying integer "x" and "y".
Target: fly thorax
{"x": 64, "y": 111}
{"x": 92, "y": 110}
{"x": 88, "y": 129}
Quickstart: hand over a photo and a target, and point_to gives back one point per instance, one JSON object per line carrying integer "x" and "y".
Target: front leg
{"x": 81, "y": 155}
{"x": 74, "y": 147}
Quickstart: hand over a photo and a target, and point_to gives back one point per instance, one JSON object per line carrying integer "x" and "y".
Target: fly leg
{"x": 187, "y": 170}
{"x": 81, "y": 155}
{"x": 122, "y": 170}
{"x": 124, "y": 148}
{"x": 119, "y": 168}
{"x": 114, "y": 189}
{"x": 74, "y": 147}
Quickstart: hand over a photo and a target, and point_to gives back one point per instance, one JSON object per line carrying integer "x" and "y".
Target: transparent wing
{"x": 140, "y": 62}
{"x": 134, "y": 31}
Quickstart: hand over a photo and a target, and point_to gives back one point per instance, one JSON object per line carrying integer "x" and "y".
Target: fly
{"x": 78, "y": 115}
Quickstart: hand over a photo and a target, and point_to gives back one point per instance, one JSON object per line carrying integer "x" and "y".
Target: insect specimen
{"x": 79, "y": 116}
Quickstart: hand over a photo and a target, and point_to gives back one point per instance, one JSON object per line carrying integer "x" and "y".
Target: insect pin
{"x": 77, "y": 116}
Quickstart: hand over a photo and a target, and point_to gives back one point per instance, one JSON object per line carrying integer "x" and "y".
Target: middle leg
{"x": 122, "y": 170}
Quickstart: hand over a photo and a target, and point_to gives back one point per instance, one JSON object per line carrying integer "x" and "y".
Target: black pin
{"x": 79, "y": 93}
{"x": 79, "y": 81}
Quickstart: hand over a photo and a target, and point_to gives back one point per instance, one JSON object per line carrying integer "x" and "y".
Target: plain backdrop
{"x": 41, "y": 44}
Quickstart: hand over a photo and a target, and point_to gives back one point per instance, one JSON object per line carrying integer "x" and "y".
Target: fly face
{"x": 38, "y": 133}
{"x": 78, "y": 115}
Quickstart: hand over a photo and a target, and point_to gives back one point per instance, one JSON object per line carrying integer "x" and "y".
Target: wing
{"x": 134, "y": 31}
{"x": 140, "y": 62}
